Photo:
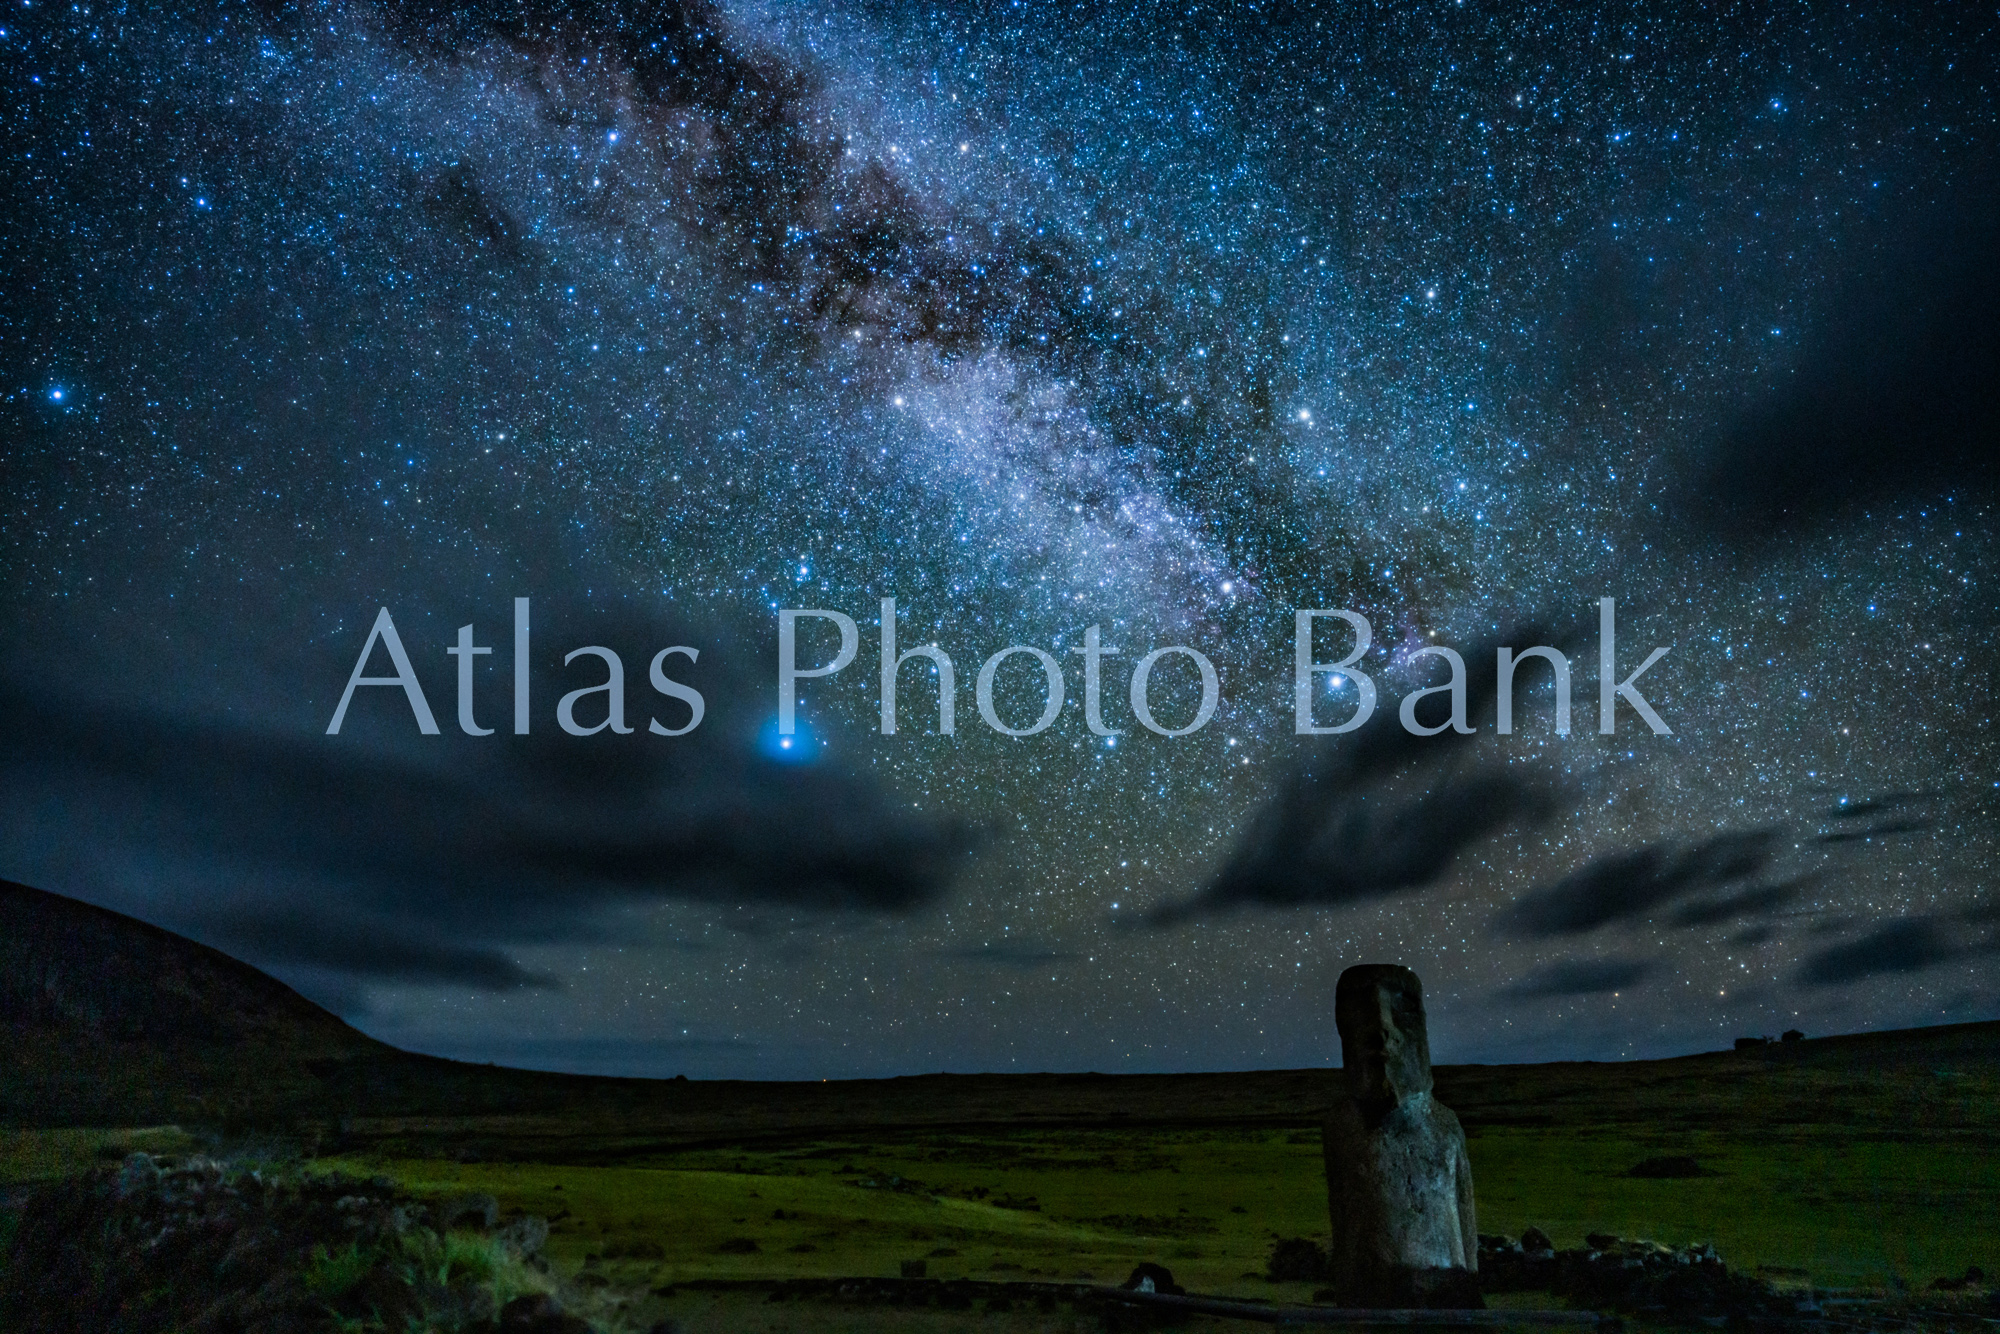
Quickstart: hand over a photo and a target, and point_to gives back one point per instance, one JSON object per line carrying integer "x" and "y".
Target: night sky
{"x": 1168, "y": 320}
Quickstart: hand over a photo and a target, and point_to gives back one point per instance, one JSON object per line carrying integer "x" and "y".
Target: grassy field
{"x": 1850, "y": 1162}
{"x": 1808, "y": 1204}
{"x": 1209, "y": 1203}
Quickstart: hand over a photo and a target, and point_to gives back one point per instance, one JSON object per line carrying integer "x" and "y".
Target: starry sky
{"x": 1168, "y": 320}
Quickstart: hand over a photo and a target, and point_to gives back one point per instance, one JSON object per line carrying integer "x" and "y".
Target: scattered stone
{"x": 1666, "y": 1168}
{"x": 148, "y": 1248}
{"x": 475, "y": 1210}
{"x": 738, "y": 1246}
{"x": 1685, "y": 1283}
{"x": 1150, "y": 1277}
{"x": 137, "y": 1175}
{"x": 524, "y": 1236}
{"x": 1297, "y": 1260}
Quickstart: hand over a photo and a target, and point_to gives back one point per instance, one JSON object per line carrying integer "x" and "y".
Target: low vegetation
{"x": 1861, "y": 1165}
{"x": 1806, "y": 1208}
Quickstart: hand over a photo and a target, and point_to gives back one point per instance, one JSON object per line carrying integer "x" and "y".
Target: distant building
{"x": 1792, "y": 1035}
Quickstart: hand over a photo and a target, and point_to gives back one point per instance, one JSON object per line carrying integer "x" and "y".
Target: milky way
{"x": 1172, "y": 321}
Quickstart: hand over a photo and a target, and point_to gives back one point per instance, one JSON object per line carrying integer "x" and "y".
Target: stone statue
{"x": 1398, "y": 1182}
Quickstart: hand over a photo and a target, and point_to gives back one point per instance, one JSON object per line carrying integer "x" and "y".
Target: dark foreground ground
{"x": 1864, "y": 1167}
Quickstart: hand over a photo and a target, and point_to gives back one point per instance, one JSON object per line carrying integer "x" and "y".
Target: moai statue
{"x": 1398, "y": 1182}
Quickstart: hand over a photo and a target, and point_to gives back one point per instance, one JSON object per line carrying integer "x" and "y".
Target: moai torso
{"x": 1399, "y": 1184}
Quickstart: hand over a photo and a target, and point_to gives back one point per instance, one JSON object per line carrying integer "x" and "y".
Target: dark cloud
{"x": 1631, "y": 884}
{"x": 388, "y": 949}
{"x": 1886, "y": 816}
{"x": 1896, "y": 395}
{"x": 1886, "y": 829}
{"x": 1870, "y": 807}
{"x": 1763, "y": 899}
{"x": 1581, "y": 977}
{"x": 1905, "y": 945}
{"x": 384, "y": 855}
{"x": 1378, "y": 812}
{"x": 1899, "y": 947}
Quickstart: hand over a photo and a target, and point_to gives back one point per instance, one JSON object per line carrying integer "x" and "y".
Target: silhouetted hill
{"x": 107, "y": 1017}
{"x": 105, "y": 1020}
{"x": 82, "y": 972}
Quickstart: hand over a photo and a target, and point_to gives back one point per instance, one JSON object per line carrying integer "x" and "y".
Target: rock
{"x": 1399, "y": 1182}
{"x": 204, "y": 1246}
{"x": 1666, "y": 1168}
{"x": 1297, "y": 1260}
{"x": 476, "y": 1306}
{"x": 1535, "y": 1241}
{"x": 477, "y": 1210}
{"x": 1150, "y": 1277}
{"x": 137, "y": 1175}
{"x": 1683, "y": 1285}
{"x": 525, "y": 1236}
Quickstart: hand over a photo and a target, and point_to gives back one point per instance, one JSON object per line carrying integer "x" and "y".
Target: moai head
{"x": 1379, "y": 1008}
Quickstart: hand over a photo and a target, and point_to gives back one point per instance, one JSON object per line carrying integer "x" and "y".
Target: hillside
{"x": 108, "y": 1017}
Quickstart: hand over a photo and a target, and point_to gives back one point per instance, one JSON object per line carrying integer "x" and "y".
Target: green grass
{"x": 1104, "y": 1201}
{"x": 1841, "y": 1161}
{"x": 330, "y": 1274}
{"x": 1843, "y": 1208}
{"x": 42, "y": 1155}
{"x": 1209, "y": 1203}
